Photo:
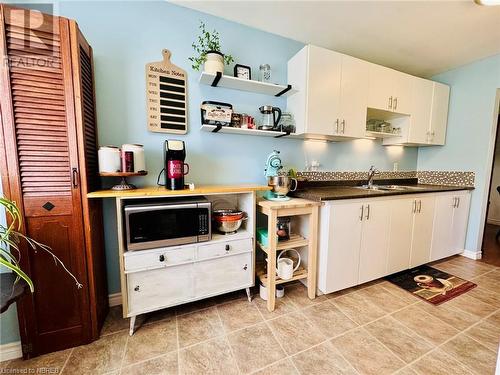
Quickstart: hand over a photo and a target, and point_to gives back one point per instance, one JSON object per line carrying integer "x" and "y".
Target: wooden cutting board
{"x": 166, "y": 93}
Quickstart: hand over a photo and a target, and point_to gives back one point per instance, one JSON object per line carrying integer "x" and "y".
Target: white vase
{"x": 214, "y": 62}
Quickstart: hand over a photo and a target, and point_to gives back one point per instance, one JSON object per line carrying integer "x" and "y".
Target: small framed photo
{"x": 242, "y": 71}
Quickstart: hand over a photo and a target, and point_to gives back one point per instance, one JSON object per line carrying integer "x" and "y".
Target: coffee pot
{"x": 269, "y": 118}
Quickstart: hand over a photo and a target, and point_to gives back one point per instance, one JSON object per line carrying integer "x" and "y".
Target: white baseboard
{"x": 472, "y": 254}
{"x": 115, "y": 299}
{"x": 10, "y": 351}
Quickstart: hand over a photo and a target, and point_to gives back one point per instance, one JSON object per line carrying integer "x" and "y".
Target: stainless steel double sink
{"x": 389, "y": 187}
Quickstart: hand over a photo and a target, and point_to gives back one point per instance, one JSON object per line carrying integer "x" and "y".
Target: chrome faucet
{"x": 371, "y": 174}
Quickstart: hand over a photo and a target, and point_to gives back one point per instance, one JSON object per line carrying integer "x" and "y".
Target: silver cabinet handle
{"x": 343, "y": 126}
{"x": 395, "y": 103}
{"x": 414, "y": 205}
{"x": 390, "y": 102}
{"x": 458, "y": 202}
{"x": 454, "y": 202}
{"x": 361, "y": 215}
{"x": 367, "y": 212}
{"x": 336, "y": 125}
{"x": 419, "y": 206}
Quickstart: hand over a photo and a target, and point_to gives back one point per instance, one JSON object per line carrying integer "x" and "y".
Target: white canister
{"x": 214, "y": 62}
{"x": 109, "y": 159}
{"x": 138, "y": 150}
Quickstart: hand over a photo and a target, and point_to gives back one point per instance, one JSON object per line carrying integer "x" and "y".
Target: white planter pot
{"x": 214, "y": 63}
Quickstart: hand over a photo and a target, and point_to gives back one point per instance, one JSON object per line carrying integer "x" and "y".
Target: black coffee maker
{"x": 175, "y": 168}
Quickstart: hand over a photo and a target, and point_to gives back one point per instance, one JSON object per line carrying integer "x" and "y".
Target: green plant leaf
{"x": 19, "y": 272}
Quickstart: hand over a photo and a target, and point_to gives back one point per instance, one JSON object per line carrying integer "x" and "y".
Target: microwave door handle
{"x": 159, "y": 207}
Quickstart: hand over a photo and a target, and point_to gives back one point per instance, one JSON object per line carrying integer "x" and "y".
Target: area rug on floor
{"x": 430, "y": 284}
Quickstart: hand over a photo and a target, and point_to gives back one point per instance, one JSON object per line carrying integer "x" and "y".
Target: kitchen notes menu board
{"x": 166, "y": 93}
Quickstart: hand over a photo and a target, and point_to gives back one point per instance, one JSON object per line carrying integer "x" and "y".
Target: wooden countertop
{"x": 292, "y": 203}
{"x": 160, "y": 191}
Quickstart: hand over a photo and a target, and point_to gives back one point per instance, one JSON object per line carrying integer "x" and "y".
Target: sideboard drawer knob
{"x": 245, "y": 267}
{"x": 136, "y": 288}
{"x": 162, "y": 258}
{"x": 228, "y": 247}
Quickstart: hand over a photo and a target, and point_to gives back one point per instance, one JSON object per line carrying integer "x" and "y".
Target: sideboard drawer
{"x": 223, "y": 274}
{"x": 158, "y": 288}
{"x": 157, "y": 258}
{"x": 224, "y": 248}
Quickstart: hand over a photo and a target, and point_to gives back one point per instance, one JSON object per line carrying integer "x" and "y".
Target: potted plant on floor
{"x": 208, "y": 52}
{"x": 10, "y": 238}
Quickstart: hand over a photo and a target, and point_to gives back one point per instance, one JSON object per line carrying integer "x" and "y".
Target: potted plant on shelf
{"x": 208, "y": 52}
{"x": 10, "y": 238}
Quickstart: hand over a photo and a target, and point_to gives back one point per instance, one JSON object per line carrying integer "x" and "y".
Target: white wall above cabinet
{"x": 338, "y": 93}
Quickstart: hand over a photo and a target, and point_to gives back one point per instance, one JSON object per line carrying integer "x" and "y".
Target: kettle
{"x": 269, "y": 119}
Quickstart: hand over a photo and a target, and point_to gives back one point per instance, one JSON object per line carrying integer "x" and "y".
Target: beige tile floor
{"x": 376, "y": 328}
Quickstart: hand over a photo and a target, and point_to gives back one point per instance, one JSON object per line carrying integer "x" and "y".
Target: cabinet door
{"x": 421, "y": 105}
{"x": 323, "y": 101}
{"x": 380, "y": 87}
{"x": 152, "y": 289}
{"x": 443, "y": 223}
{"x": 422, "y": 231}
{"x": 401, "y": 102}
{"x": 339, "y": 246}
{"x": 353, "y": 97}
{"x": 439, "y": 113}
{"x": 374, "y": 241}
{"x": 460, "y": 221}
{"x": 223, "y": 275}
{"x": 400, "y": 233}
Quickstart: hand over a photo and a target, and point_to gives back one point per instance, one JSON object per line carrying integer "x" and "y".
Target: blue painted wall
{"x": 469, "y": 132}
{"x": 127, "y": 35}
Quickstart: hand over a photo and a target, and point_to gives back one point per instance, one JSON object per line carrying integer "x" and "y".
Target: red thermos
{"x": 175, "y": 168}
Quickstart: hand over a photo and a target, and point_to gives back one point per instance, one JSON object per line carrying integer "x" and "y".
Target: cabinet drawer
{"x": 156, "y": 258}
{"x": 223, "y": 274}
{"x": 224, "y": 248}
{"x": 148, "y": 290}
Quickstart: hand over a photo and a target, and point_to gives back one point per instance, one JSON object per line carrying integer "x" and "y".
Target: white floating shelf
{"x": 228, "y": 82}
{"x": 230, "y": 130}
{"x": 381, "y": 134}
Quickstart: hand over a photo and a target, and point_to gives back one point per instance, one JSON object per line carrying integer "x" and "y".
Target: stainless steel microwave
{"x": 149, "y": 225}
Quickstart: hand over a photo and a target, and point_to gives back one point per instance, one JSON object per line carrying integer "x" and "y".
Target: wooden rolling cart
{"x": 293, "y": 207}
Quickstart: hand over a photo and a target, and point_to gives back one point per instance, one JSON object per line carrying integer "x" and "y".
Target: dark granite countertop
{"x": 328, "y": 193}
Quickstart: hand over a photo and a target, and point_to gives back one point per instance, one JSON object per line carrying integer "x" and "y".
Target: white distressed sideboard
{"x": 158, "y": 278}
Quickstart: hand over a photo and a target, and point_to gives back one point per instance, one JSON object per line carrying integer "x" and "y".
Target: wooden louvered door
{"x": 83, "y": 81}
{"x": 41, "y": 152}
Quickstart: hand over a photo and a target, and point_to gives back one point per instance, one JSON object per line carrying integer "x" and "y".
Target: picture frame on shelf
{"x": 243, "y": 71}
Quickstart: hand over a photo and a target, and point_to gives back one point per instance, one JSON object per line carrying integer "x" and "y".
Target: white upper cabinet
{"x": 331, "y": 101}
{"x": 323, "y": 87}
{"x": 421, "y": 107}
{"x": 353, "y": 96}
{"x": 337, "y": 93}
{"x": 439, "y": 114}
{"x": 389, "y": 90}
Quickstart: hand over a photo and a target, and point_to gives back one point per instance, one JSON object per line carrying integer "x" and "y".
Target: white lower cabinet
{"x": 374, "y": 241}
{"x": 401, "y": 229}
{"x": 423, "y": 221}
{"x": 451, "y": 216}
{"x": 365, "y": 239}
{"x": 149, "y": 290}
{"x": 339, "y": 245}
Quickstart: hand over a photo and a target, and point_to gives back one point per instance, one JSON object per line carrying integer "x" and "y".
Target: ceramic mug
{"x": 426, "y": 281}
